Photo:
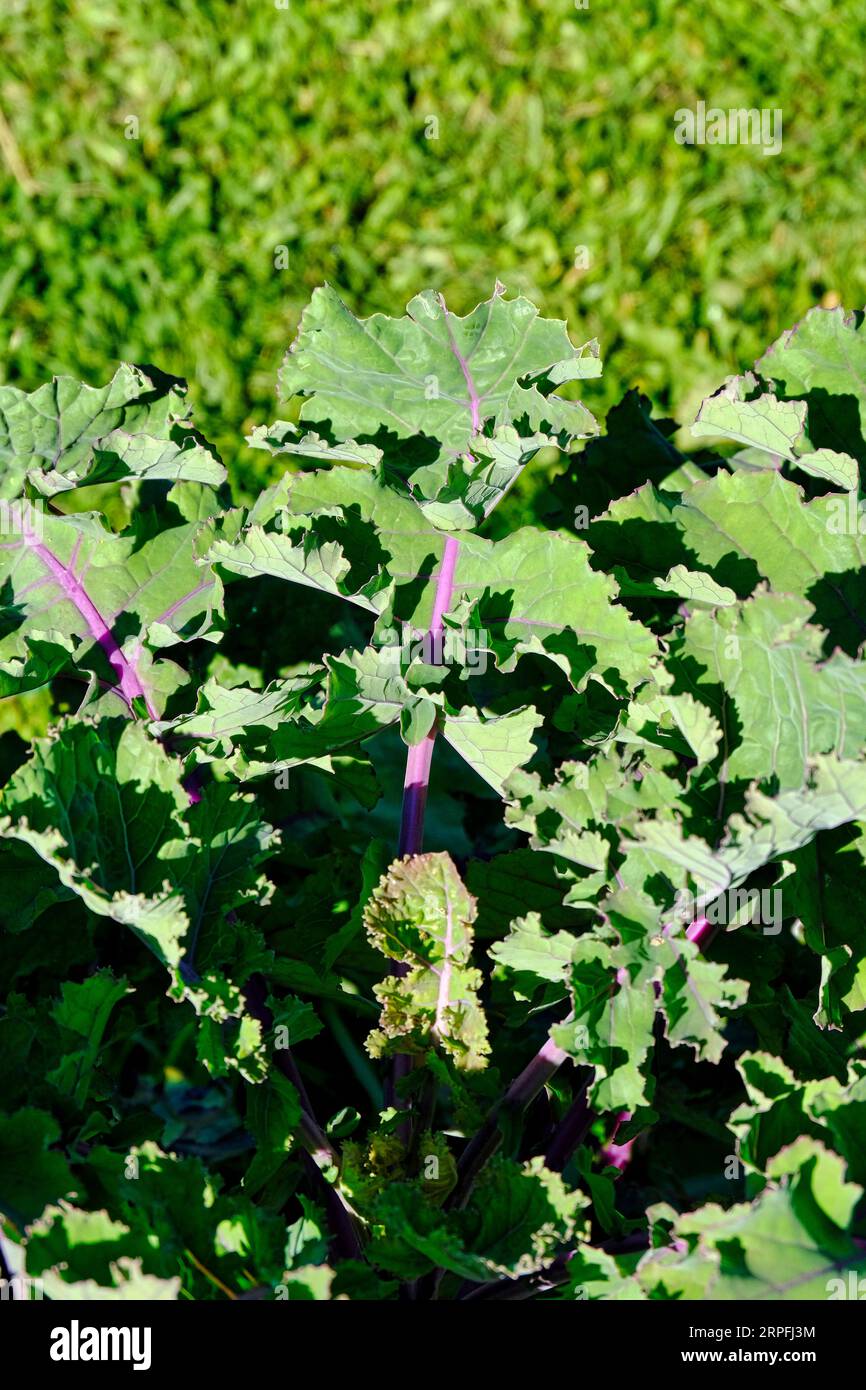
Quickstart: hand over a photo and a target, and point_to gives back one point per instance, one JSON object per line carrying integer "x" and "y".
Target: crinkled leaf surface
{"x": 632, "y": 945}
{"x": 429, "y": 373}
{"x": 421, "y": 915}
{"x": 66, "y": 434}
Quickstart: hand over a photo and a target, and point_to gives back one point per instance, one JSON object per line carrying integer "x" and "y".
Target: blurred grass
{"x": 306, "y": 127}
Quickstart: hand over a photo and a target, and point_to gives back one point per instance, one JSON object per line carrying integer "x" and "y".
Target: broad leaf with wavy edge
{"x": 67, "y": 434}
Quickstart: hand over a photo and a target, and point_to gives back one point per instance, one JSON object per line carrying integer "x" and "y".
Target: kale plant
{"x": 415, "y": 888}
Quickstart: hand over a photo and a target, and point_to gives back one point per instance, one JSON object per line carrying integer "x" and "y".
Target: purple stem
{"x": 418, "y": 760}
{"x": 618, "y": 1155}
{"x": 571, "y": 1130}
{"x": 481, "y": 1148}
{"x": 193, "y": 782}
{"x": 574, "y": 1127}
{"x": 699, "y": 932}
{"x": 415, "y": 783}
{"x": 130, "y": 684}
{"x": 420, "y": 755}
{"x": 522, "y": 1091}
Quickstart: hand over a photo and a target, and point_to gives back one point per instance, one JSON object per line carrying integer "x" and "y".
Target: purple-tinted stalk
{"x": 415, "y": 783}
{"x": 193, "y": 783}
{"x": 572, "y": 1128}
{"x": 522, "y": 1091}
{"x": 420, "y": 756}
{"x": 575, "y": 1125}
{"x": 700, "y": 932}
{"x": 568, "y": 1136}
{"x": 481, "y": 1148}
{"x": 618, "y": 1155}
{"x": 131, "y": 687}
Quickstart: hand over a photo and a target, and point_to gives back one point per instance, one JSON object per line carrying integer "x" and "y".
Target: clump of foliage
{"x": 403, "y": 904}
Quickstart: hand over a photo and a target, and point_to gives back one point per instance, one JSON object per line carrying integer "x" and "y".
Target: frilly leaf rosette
{"x": 421, "y": 915}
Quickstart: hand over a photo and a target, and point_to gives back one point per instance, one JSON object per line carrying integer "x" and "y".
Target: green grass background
{"x": 306, "y": 127}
